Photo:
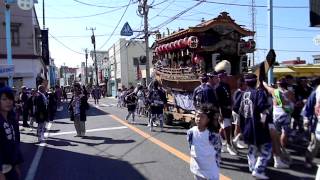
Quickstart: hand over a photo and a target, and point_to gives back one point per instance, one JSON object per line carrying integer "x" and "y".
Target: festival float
{"x": 181, "y": 57}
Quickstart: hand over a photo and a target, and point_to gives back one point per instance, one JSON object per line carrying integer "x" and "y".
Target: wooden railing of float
{"x": 178, "y": 73}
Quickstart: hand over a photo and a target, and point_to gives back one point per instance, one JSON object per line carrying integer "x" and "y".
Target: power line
{"x": 65, "y": 45}
{"x": 153, "y": 5}
{"x": 257, "y": 6}
{"x": 69, "y": 17}
{"x": 176, "y": 16}
{"x": 290, "y": 50}
{"x": 114, "y": 30}
{"x": 100, "y": 6}
{"x": 162, "y": 10}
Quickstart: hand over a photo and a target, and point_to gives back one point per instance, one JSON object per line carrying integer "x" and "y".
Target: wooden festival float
{"x": 181, "y": 57}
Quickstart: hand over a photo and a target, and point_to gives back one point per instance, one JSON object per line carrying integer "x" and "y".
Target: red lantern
{"x": 157, "y": 50}
{"x": 181, "y": 43}
{"x": 193, "y": 42}
{"x": 176, "y": 44}
{"x": 166, "y": 47}
{"x": 171, "y": 45}
{"x": 185, "y": 41}
{"x": 162, "y": 48}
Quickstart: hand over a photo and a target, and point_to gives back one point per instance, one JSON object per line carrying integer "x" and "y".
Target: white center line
{"x": 36, "y": 159}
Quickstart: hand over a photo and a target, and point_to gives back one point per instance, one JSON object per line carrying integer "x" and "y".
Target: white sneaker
{"x": 259, "y": 176}
{"x": 148, "y": 125}
{"x": 241, "y": 145}
{"x": 279, "y": 164}
{"x": 224, "y": 142}
{"x": 155, "y": 124}
{"x": 231, "y": 151}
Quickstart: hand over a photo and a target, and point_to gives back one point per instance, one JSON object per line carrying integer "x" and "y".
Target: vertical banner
{"x": 45, "y": 46}
{"x": 315, "y": 13}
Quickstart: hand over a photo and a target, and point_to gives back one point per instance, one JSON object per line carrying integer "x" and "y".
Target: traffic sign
{"x": 316, "y": 40}
{"x": 126, "y": 30}
{"x": 25, "y": 4}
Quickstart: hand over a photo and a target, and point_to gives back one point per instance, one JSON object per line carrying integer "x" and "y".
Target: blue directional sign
{"x": 10, "y": 1}
{"x": 126, "y": 30}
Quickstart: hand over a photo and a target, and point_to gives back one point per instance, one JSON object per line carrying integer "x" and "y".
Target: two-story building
{"x": 26, "y": 47}
{"x": 102, "y": 58}
{"x": 127, "y": 64}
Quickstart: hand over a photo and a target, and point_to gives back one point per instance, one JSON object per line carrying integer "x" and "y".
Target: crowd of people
{"x": 149, "y": 102}
{"x": 30, "y": 106}
{"x": 262, "y": 118}
{"x": 266, "y": 118}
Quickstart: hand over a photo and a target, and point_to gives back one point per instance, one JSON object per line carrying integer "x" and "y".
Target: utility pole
{"x": 43, "y": 15}
{"x": 86, "y": 70}
{"x": 143, "y": 10}
{"x": 93, "y": 41}
{"x": 8, "y": 41}
{"x": 115, "y": 67}
{"x": 65, "y": 74}
{"x": 270, "y": 13}
{"x": 253, "y": 26}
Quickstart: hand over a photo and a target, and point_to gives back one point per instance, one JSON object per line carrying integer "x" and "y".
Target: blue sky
{"x": 292, "y": 35}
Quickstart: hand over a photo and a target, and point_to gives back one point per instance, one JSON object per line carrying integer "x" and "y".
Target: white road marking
{"x": 108, "y": 105}
{"x": 90, "y": 130}
{"x": 37, "y": 157}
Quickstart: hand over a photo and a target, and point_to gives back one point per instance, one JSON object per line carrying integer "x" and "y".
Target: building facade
{"x": 102, "y": 59}
{"x": 126, "y": 65}
{"x": 26, "y": 47}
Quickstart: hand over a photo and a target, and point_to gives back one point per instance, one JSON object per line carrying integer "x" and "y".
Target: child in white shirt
{"x": 205, "y": 148}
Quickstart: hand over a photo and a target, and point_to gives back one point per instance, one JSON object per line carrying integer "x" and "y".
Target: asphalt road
{"x": 113, "y": 149}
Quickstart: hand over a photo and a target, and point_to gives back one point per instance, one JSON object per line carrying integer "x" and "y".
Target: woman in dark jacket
{"x": 10, "y": 154}
{"x": 77, "y": 108}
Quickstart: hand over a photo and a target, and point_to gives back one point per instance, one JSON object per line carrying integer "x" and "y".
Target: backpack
{"x": 246, "y": 106}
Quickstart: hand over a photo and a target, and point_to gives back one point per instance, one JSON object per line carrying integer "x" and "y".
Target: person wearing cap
{"x": 282, "y": 110}
{"x": 254, "y": 117}
{"x": 23, "y": 99}
{"x": 224, "y": 100}
{"x": 10, "y": 153}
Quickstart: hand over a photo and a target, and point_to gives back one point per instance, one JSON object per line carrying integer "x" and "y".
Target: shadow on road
{"x": 103, "y": 140}
{"x": 59, "y": 143}
{"x": 68, "y": 165}
{"x": 108, "y": 140}
{"x": 64, "y": 114}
